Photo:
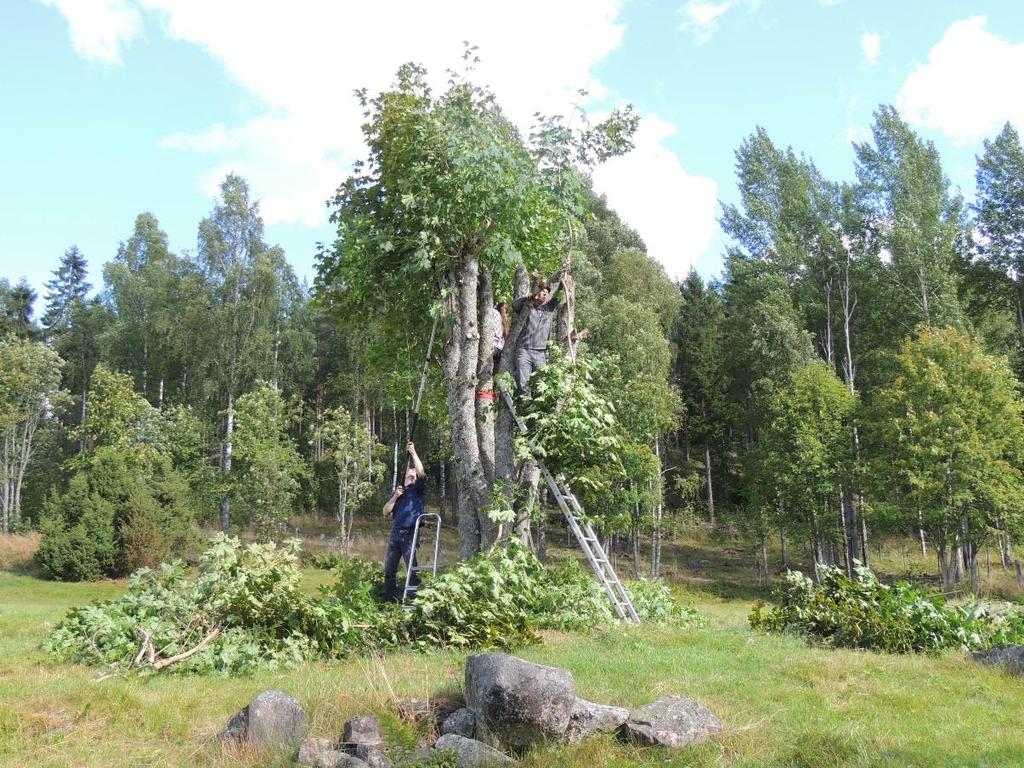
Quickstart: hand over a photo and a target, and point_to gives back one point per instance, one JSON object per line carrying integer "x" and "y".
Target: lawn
{"x": 783, "y": 703}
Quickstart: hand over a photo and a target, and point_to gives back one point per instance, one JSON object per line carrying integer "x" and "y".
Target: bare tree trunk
{"x": 460, "y": 358}
{"x": 711, "y": 488}
{"x": 225, "y": 462}
{"x": 442, "y": 485}
{"x": 485, "y": 396}
{"x": 782, "y": 545}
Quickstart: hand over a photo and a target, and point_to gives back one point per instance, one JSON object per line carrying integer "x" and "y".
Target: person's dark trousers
{"x": 528, "y": 361}
{"x": 399, "y": 548}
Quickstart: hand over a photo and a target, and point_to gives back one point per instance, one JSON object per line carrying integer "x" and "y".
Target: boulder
{"x": 273, "y": 718}
{"x": 461, "y": 722}
{"x": 517, "y": 704}
{"x": 1009, "y": 656}
{"x": 362, "y": 730}
{"x": 671, "y": 721}
{"x": 588, "y": 718}
{"x": 472, "y": 754}
{"x": 319, "y": 753}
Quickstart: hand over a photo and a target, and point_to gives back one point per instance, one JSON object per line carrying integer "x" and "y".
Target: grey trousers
{"x": 528, "y": 361}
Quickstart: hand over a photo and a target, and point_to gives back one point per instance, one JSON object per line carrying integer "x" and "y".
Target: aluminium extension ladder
{"x": 584, "y": 532}
{"x": 409, "y": 592}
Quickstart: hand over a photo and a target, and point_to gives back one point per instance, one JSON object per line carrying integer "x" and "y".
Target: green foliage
{"x": 499, "y": 599}
{"x": 250, "y": 596}
{"x": 945, "y": 437}
{"x": 248, "y": 605}
{"x": 654, "y": 604}
{"x": 355, "y": 458}
{"x": 805, "y": 451}
{"x": 862, "y": 612}
{"x": 572, "y": 428}
{"x": 123, "y": 509}
{"x": 265, "y": 480}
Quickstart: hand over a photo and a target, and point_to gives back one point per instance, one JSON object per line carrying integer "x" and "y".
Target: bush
{"x": 124, "y": 508}
{"x": 861, "y": 612}
{"x": 245, "y": 611}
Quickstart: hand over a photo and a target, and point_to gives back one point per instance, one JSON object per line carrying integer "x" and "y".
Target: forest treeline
{"x": 854, "y": 372}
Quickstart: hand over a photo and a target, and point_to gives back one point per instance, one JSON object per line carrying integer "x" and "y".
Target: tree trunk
{"x": 485, "y": 396}
{"x": 225, "y": 462}
{"x": 707, "y": 471}
{"x": 460, "y": 358}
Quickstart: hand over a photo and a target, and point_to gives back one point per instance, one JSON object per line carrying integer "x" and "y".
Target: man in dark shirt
{"x": 405, "y": 506}
{"x": 532, "y": 342}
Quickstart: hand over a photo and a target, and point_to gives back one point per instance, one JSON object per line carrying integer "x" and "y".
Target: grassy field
{"x": 783, "y": 703}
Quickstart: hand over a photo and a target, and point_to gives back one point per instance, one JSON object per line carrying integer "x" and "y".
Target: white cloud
{"x": 673, "y": 211}
{"x": 870, "y": 46}
{"x": 99, "y": 27}
{"x": 304, "y": 59}
{"x": 969, "y": 86}
{"x": 700, "y": 18}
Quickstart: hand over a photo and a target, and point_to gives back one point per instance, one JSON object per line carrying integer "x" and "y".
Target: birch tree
{"x": 30, "y": 376}
{"x": 355, "y": 457}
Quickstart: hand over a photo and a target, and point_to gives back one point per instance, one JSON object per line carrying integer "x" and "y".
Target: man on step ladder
{"x": 405, "y": 506}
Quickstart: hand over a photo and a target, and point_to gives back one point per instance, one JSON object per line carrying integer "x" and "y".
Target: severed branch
{"x": 164, "y": 663}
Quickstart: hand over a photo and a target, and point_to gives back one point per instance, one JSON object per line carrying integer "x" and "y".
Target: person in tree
{"x": 532, "y": 342}
{"x": 405, "y": 506}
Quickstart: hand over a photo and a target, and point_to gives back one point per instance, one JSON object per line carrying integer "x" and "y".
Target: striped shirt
{"x": 537, "y": 329}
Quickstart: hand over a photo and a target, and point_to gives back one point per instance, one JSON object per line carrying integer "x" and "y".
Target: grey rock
{"x": 362, "y": 730}
{"x": 461, "y": 722}
{"x": 319, "y": 753}
{"x": 517, "y": 704}
{"x": 1009, "y": 656}
{"x": 671, "y": 721}
{"x": 373, "y": 756}
{"x": 472, "y": 754}
{"x": 272, "y": 718}
{"x": 588, "y": 718}
{"x": 348, "y": 761}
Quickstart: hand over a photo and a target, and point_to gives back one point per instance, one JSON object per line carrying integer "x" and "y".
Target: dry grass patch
{"x": 18, "y": 549}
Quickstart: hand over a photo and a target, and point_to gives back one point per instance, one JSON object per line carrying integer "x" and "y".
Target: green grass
{"x": 783, "y": 702}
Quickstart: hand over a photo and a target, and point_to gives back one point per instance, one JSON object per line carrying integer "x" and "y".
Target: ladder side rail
{"x": 574, "y": 526}
{"x": 410, "y": 568}
{"x": 610, "y": 574}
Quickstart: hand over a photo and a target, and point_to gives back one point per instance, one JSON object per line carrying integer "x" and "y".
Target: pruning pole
{"x": 419, "y": 393}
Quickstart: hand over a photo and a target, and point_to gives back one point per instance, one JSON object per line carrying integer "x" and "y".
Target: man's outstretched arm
{"x": 416, "y": 463}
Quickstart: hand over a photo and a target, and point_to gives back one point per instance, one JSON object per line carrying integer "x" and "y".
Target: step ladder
{"x": 583, "y": 531}
{"x": 409, "y": 592}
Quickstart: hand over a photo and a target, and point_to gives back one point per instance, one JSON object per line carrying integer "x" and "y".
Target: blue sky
{"x": 114, "y": 107}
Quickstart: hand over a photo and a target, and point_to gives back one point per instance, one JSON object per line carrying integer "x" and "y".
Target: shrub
{"x": 861, "y": 612}
{"x": 654, "y": 604}
{"x": 246, "y": 610}
{"x": 124, "y": 508}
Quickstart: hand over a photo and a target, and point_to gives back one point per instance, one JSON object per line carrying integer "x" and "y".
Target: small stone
{"x": 671, "y": 721}
{"x": 461, "y": 722}
{"x": 272, "y": 718}
{"x": 319, "y": 753}
{"x": 362, "y": 730}
{"x": 472, "y": 754}
{"x": 588, "y": 718}
{"x": 1009, "y": 656}
{"x": 373, "y": 756}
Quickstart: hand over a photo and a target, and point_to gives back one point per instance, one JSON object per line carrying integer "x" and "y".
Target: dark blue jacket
{"x": 411, "y": 504}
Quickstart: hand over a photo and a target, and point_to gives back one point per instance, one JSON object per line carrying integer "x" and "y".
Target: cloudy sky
{"x": 113, "y": 107}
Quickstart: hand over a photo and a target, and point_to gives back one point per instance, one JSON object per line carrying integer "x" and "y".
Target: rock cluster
{"x": 511, "y": 705}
